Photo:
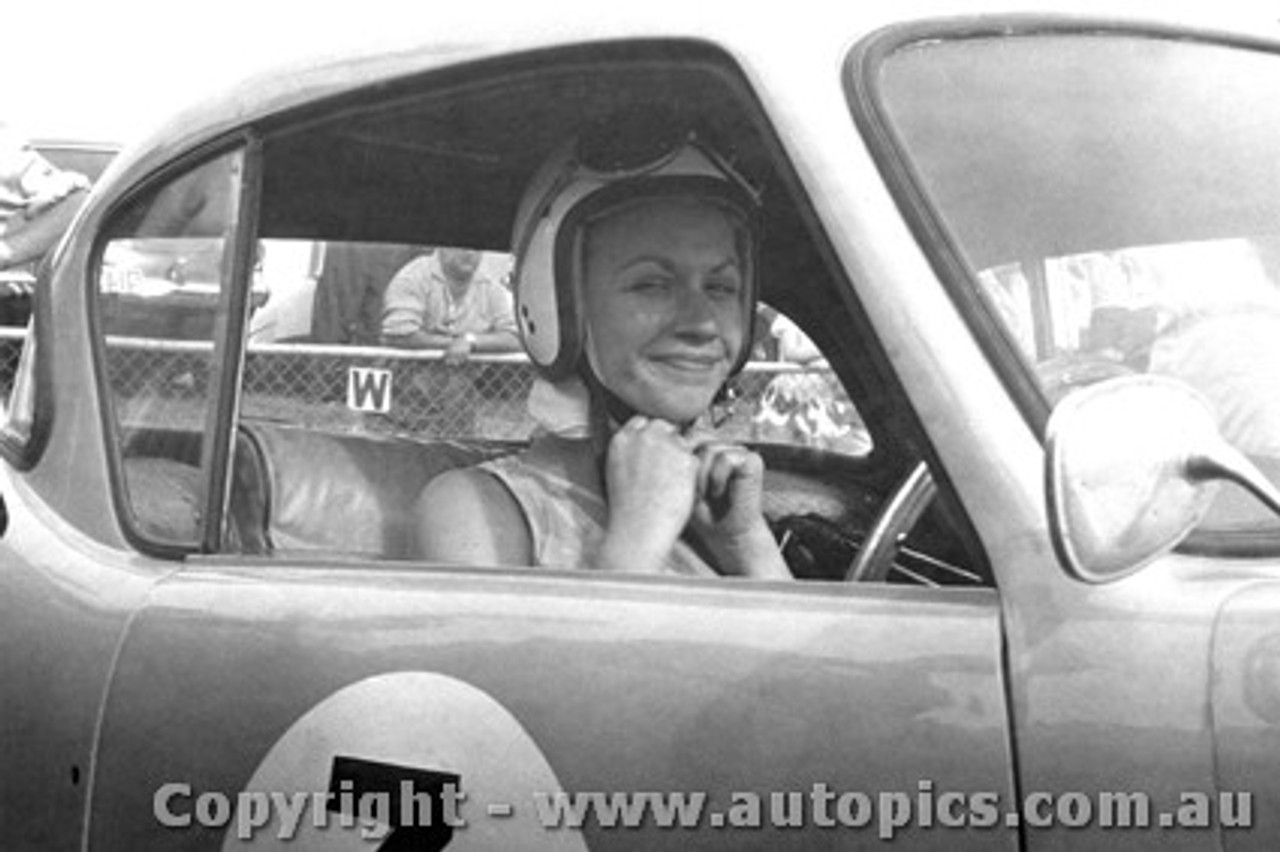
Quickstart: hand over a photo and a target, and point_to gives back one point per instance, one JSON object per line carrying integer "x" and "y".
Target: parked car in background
{"x": 1036, "y": 602}
{"x": 88, "y": 158}
{"x": 176, "y": 280}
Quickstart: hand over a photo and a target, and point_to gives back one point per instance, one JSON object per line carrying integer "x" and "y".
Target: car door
{"x": 265, "y": 694}
{"x": 841, "y": 713}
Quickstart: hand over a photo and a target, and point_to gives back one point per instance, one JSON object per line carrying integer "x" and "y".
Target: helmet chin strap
{"x": 617, "y": 410}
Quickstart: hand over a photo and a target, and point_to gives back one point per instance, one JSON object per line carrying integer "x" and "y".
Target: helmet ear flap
{"x": 547, "y": 309}
{"x": 537, "y": 308}
{"x": 545, "y": 278}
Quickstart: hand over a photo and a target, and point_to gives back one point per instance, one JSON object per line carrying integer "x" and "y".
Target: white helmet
{"x": 608, "y": 167}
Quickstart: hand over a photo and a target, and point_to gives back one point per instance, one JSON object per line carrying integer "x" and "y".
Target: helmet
{"x": 596, "y": 173}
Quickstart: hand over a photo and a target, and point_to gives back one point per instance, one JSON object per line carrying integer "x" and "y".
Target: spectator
{"x": 1220, "y": 334}
{"x": 37, "y": 201}
{"x": 794, "y": 345}
{"x": 441, "y": 302}
{"x": 807, "y": 407}
{"x": 444, "y": 302}
{"x": 348, "y": 299}
{"x": 764, "y": 346}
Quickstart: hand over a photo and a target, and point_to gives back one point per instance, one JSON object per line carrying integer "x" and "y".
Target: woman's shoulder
{"x": 547, "y": 457}
{"x": 466, "y": 515}
{"x": 469, "y": 484}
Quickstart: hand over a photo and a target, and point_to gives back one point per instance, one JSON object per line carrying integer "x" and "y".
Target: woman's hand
{"x": 659, "y": 482}
{"x": 728, "y": 515}
{"x": 651, "y": 476}
{"x": 730, "y": 484}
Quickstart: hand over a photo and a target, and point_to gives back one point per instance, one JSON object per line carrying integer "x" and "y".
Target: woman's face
{"x": 664, "y": 298}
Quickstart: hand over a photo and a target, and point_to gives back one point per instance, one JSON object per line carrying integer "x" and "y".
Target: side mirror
{"x": 1133, "y": 466}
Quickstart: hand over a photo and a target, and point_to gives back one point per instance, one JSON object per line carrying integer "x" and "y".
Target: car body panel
{"x": 630, "y": 689}
{"x": 1246, "y": 686}
{"x": 67, "y": 601}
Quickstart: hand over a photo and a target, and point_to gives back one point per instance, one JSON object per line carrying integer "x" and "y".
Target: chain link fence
{"x": 373, "y": 390}
{"x": 10, "y": 349}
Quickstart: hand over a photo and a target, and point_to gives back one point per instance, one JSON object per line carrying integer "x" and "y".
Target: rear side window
{"x": 161, "y": 273}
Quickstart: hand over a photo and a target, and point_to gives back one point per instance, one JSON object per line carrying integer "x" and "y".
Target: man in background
{"x": 442, "y": 301}
{"x": 37, "y": 201}
{"x": 445, "y": 302}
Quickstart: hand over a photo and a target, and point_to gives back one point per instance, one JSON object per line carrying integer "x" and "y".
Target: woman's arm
{"x": 468, "y": 517}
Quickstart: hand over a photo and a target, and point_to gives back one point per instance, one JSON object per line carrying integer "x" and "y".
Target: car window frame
{"x": 226, "y": 362}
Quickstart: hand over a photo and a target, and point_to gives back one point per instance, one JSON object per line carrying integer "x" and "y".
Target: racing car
{"x": 1029, "y": 498}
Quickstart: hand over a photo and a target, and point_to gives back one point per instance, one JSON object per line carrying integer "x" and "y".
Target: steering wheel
{"x": 896, "y": 518}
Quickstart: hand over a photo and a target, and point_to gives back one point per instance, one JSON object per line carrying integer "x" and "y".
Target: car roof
{"x": 475, "y": 202}
{"x": 757, "y": 34}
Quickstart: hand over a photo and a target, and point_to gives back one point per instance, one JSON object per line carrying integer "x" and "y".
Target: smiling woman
{"x": 648, "y": 270}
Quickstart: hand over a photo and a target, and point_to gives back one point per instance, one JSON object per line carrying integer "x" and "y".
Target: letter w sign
{"x": 369, "y": 389}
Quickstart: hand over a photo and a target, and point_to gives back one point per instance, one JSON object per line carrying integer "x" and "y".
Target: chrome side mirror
{"x": 1133, "y": 466}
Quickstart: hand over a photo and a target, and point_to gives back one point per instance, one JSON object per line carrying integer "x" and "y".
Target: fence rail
{"x": 165, "y": 384}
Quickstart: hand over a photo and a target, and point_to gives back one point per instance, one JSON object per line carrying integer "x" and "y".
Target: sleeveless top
{"x": 567, "y": 520}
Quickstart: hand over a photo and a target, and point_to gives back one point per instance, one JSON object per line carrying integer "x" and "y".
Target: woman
{"x": 634, "y": 290}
